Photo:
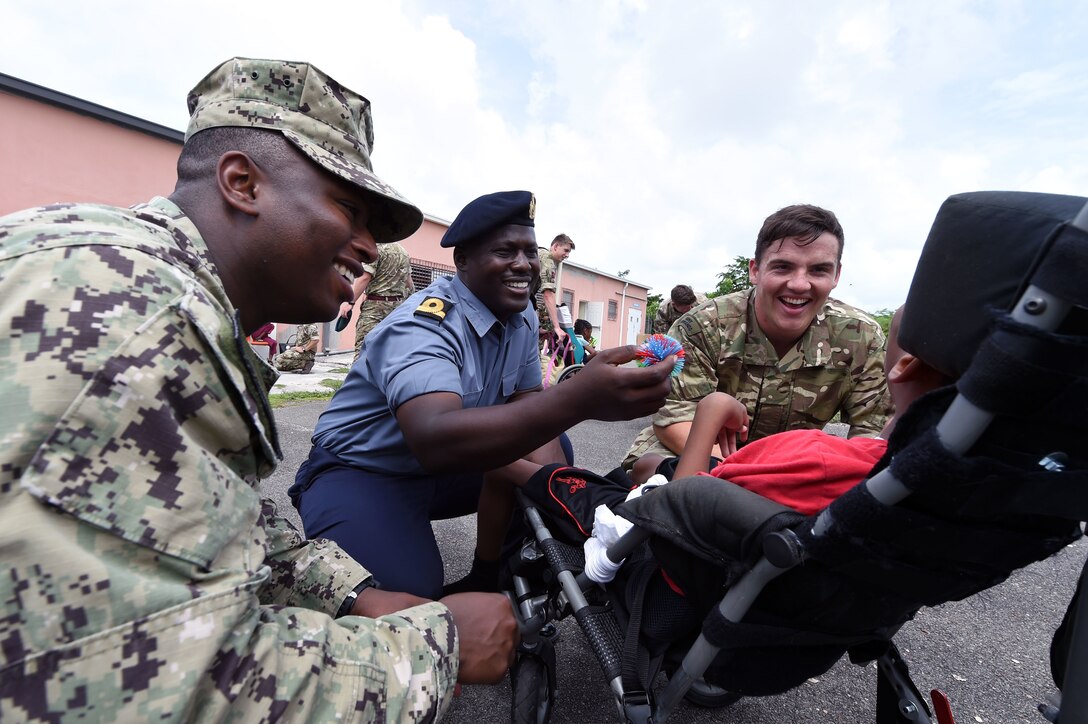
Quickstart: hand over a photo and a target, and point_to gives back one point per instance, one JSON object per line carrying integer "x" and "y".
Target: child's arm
{"x": 719, "y": 418}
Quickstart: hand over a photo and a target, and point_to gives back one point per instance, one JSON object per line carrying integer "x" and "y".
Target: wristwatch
{"x": 349, "y": 601}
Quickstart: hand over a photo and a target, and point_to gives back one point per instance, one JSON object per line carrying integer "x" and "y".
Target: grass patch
{"x": 287, "y": 398}
{"x": 283, "y": 399}
{"x": 340, "y": 370}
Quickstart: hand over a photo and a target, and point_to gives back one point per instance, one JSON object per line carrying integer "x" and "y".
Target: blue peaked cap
{"x": 488, "y": 213}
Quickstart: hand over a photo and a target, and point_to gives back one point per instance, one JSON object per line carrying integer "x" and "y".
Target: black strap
{"x": 636, "y": 660}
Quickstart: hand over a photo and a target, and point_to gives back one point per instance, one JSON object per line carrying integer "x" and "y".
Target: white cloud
{"x": 658, "y": 135}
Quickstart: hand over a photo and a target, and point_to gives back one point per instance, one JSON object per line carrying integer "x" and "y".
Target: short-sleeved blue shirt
{"x": 411, "y": 353}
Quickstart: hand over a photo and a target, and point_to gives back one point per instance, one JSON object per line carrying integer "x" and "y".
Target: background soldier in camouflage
{"x": 379, "y": 289}
{"x": 791, "y": 354}
{"x": 143, "y": 577}
{"x": 681, "y": 300}
{"x": 300, "y": 356}
{"x": 550, "y": 259}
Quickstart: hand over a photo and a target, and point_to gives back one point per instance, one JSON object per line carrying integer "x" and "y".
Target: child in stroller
{"x": 803, "y": 469}
{"x": 1038, "y": 529}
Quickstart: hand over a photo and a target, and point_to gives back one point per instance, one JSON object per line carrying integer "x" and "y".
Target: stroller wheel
{"x": 533, "y": 684}
{"x": 532, "y": 691}
{"x": 568, "y": 372}
{"x": 709, "y": 696}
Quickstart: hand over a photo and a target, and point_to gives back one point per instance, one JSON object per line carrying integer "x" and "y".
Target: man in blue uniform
{"x": 448, "y": 387}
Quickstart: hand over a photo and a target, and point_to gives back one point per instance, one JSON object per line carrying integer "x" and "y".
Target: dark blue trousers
{"x": 384, "y": 521}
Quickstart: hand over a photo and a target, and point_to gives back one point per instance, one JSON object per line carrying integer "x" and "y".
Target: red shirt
{"x": 803, "y": 469}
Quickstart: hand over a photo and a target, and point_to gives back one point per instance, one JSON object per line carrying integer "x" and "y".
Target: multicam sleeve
{"x": 547, "y": 272}
{"x": 868, "y": 405}
{"x": 661, "y": 321}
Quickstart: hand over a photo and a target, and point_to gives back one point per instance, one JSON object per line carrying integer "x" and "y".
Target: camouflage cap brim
{"x": 393, "y": 217}
{"x": 331, "y": 124}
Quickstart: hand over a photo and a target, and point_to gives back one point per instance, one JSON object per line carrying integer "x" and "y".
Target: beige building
{"x": 55, "y": 148}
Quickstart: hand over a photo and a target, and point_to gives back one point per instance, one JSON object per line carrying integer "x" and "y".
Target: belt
{"x": 380, "y": 298}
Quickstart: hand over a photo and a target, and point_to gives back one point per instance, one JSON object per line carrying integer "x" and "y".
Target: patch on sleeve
{"x": 434, "y": 308}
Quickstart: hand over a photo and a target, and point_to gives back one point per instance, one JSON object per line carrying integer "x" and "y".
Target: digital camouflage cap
{"x": 328, "y": 122}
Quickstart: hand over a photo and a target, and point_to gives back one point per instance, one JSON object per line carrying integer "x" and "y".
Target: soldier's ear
{"x": 459, "y": 258}
{"x": 239, "y": 181}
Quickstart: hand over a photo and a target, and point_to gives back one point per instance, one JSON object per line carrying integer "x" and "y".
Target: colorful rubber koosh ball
{"x": 656, "y": 348}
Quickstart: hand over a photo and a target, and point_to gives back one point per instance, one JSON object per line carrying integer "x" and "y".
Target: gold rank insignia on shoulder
{"x": 532, "y": 206}
{"x": 434, "y": 308}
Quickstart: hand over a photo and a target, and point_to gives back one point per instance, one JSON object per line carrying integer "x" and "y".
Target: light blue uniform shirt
{"x": 468, "y": 352}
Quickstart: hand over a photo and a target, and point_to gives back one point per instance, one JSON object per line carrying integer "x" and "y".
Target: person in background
{"x": 550, "y": 260}
{"x": 263, "y": 335}
{"x": 584, "y": 330}
{"x": 300, "y": 356}
{"x": 379, "y": 289}
{"x": 681, "y": 300}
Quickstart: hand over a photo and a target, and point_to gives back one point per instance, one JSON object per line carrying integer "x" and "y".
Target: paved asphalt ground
{"x": 989, "y": 653}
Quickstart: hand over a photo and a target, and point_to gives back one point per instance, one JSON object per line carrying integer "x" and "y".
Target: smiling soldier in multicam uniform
{"x": 143, "y": 577}
{"x": 791, "y": 354}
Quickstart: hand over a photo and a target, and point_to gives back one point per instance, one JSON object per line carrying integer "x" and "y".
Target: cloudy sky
{"x": 658, "y": 135}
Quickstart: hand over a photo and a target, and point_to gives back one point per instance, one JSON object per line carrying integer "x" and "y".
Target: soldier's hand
{"x": 607, "y": 391}
{"x": 488, "y": 635}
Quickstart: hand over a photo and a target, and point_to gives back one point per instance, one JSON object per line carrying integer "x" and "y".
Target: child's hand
{"x": 731, "y": 417}
{"x": 728, "y": 437}
{"x": 734, "y": 426}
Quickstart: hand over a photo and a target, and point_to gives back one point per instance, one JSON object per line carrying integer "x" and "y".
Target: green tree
{"x": 653, "y": 302}
{"x": 733, "y": 279}
{"x": 883, "y": 317}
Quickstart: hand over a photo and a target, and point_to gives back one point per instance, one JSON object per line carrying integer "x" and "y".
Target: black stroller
{"x": 968, "y": 493}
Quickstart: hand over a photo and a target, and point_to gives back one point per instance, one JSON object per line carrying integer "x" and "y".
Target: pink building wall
{"x": 591, "y": 293}
{"x": 51, "y": 154}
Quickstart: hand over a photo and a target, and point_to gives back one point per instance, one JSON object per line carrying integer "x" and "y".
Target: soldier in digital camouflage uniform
{"x": 144, "y": 579}
{"x": 300, "y": 356}
{"x": 681, "y": 299}
{"x": 382, "y": 286}
{"x": 791, "y": 354}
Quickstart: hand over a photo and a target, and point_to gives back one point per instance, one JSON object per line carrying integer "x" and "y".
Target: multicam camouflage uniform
{"x": 143, "y": 577}
{"x": 390, "y": 284}
{"x": 293, "y": 360}
{"x": 547, "y": 283}
{"x": 667, "y": 314}
{"x": 837, "y": 366}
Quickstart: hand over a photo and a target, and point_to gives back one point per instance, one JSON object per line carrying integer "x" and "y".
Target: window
{"x": 613, "y": 310}
{"x": 568, "y": 298}
{"x": 425, "y": 272}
